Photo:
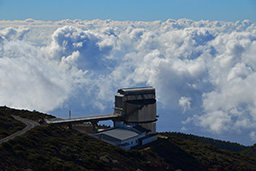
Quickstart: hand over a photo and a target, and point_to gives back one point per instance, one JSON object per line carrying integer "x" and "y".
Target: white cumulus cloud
{"x": 204, "y": 68}
{"x": 185, "y": 103}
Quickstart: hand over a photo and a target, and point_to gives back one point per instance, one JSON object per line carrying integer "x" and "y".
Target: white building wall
{"x": 148, "y": 140}
{"x": 132, "y": 142}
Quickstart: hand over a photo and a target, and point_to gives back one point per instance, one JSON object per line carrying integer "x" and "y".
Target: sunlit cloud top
{"x": 204, "y": 72}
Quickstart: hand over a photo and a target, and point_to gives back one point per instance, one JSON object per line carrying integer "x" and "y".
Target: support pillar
{"x": 95, "y": 126}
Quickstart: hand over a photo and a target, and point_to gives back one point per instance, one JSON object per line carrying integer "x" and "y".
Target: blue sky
{"x": 135, "y": 10}
{"x": 204, "y": 72}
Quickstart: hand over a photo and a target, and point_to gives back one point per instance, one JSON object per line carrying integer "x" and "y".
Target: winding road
{"x": 30, "y": 124}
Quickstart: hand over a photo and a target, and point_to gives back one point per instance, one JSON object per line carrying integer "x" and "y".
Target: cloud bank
{"x": 203, "y": 71}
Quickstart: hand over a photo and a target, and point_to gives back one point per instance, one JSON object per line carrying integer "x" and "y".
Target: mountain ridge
{"x": 53, "y": 147}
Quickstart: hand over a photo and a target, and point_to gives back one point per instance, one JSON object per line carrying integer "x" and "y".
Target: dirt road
{"x": 30, "y": 124}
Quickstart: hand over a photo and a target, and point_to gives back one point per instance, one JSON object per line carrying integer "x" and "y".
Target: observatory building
{"x": 136, "y": 121}
{"x": 137, "y": 106}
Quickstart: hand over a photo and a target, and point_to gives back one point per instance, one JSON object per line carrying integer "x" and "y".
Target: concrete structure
{"x": 137, "y": 106}
{"x": 126, "y": 137}
{"x": 136, "y": 124}
{"x": 134, "y": 119}
{"x": 96, "y": 118}
{"x": 121, "y": 137}
{"x": 93, "y": 119}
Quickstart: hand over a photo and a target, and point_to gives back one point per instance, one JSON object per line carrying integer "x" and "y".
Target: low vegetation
{"x": 35, "y": 115}
{"x": 226, "y": 145}
{"x": 8, "y": 125}
{"x": 55, "y": 147}
{"x": 211, "y": 156}
{"x": 60, "y": 148}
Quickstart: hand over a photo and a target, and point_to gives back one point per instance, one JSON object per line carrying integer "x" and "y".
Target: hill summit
{"x": 56, "y": 147}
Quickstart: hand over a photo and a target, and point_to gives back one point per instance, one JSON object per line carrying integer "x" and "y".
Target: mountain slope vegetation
{"x": 8, "y": 125}
{"x": 55, "y": 147}
{"x": 226, "y": 145}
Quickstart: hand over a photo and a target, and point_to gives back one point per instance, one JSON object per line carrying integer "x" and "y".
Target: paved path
{"x": 85, "y": 119}
{"x": 30, "y": 124}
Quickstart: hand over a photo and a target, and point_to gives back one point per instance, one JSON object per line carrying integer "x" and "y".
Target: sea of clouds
{"x": 204, "y": 72}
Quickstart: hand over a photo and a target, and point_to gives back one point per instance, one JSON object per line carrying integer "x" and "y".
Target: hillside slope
{"x": 212, "y": 157}
{"x": 226, "y": 145}
{"x": 53, "y": 147}
{"x": 8, "y": 125}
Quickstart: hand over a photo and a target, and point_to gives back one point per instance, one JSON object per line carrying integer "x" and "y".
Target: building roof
{"x": 119, "y": 133}
{"x": 139, "y": 90}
